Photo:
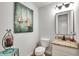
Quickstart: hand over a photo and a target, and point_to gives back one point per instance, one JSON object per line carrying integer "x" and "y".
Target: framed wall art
{"x": 23, "y": 18}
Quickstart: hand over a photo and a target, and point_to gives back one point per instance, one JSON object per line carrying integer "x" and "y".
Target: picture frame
{"x": 23, "y": 18}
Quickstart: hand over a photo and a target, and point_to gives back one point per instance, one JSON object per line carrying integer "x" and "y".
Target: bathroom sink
{"x": 65, "y": 43}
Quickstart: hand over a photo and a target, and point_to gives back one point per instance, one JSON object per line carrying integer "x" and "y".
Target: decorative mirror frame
{"x": 70, "y": 17}
{"x": 8, "y": 36}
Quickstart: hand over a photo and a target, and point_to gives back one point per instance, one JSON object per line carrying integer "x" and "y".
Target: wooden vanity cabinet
{"x": 59, "y": 50}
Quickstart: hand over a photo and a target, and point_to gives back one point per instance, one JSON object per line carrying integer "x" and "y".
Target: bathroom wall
{"x": 47, "y": 23}
{"x": 76, "y": 18}
{"x": 26, "y": 42}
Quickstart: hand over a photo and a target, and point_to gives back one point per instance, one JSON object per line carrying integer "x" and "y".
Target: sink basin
{"x": 67, "y": 43}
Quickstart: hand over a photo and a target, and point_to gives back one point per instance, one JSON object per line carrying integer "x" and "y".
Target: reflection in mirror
{"x": 65, "y": 22}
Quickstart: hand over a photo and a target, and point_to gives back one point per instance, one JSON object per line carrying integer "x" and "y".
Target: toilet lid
{"x": 40, "y": 49}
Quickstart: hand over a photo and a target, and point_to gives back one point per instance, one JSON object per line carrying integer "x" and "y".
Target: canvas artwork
{"x": 23, "y": 18}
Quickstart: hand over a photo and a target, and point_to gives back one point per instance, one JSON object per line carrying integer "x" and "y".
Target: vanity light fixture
{"x": 59, "y": 6}
{"x": 67, "y": 4}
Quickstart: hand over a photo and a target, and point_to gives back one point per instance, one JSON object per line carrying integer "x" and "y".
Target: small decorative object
{"x": 72, "y": 38}
{"x": 63, "y": 37}
{"x": 23, "y": 18}
{"x": 7, "y": 40}
{"x": 7, "y": 43}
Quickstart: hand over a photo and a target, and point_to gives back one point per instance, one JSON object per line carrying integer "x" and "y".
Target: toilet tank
{"x": 44, "y": 42}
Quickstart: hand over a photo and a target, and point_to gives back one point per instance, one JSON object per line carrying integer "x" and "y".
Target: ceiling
{"x": 41, "y": 4}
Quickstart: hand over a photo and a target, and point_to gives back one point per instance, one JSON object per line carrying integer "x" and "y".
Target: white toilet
{"x": 39, "y": 51}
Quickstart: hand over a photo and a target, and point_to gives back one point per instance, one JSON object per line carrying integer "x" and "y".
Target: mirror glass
{"x": 64, "y": 22}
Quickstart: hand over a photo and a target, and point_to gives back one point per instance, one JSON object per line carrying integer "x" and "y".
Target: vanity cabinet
{"x": 59, "y": 50}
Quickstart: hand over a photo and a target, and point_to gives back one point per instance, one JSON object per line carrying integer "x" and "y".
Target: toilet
{"x": 40, "y": 50}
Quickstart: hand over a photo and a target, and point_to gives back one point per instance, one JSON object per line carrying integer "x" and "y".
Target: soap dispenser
{"x": 72, "y": 38}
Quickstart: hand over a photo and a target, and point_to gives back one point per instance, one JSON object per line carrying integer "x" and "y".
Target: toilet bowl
{"x": 40, "y": 50}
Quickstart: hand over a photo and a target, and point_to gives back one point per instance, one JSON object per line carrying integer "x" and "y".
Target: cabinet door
{"x": 58, "y": 50}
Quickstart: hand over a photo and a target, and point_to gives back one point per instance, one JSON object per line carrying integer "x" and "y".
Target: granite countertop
{"x": 66, "y": 43}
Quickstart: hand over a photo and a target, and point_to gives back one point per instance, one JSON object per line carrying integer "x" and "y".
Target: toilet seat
{"x": 39, "y": 51}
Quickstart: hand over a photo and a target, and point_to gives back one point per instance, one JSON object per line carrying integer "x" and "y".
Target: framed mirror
{"x": 65, "y": 22}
